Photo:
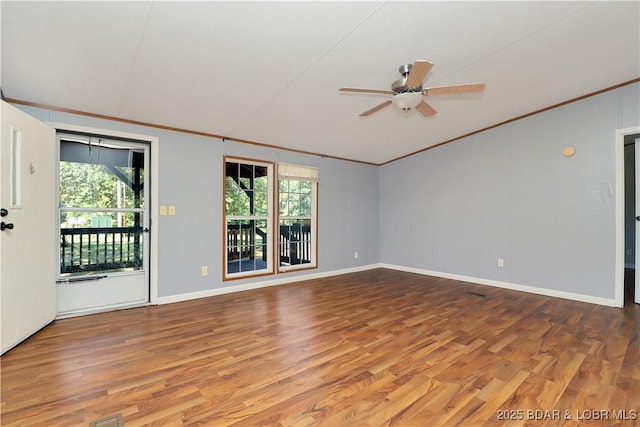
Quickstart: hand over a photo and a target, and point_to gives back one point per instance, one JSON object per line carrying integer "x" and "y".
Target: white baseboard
{"x": 506, "y": 285}
{"x": 476, "y": 280}
{"x": 262, "y": 284}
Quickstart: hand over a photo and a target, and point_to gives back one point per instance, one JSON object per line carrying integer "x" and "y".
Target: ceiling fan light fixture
{"x": 407, "y": 100}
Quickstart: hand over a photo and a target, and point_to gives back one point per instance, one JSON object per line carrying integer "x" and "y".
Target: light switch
{"x": 172, "y": 210}
{"x": 163, "y": 210}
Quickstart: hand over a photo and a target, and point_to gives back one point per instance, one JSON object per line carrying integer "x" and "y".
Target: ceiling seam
{"x": 517, "y": 39}
{"x": 135, "y": 59}
{"x": 314, "y": 62}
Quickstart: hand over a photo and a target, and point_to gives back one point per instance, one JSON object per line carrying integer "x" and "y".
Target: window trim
{"x": 299, "y": 173}
{"x": 271, "y": 251}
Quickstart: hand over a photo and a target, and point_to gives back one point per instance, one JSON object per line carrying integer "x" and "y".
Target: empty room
{"x": 320, "y": 213}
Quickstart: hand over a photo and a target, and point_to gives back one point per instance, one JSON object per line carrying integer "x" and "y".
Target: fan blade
{"x": 376, "y": 108}
{"x": 358, "y": 90}
{"x": 425, "y": 109}
{"x": 444, "y": 90}
{"x": 418, "y": 72}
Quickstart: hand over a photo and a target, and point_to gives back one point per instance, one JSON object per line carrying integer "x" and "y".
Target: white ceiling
{"x": 269, "y": 72}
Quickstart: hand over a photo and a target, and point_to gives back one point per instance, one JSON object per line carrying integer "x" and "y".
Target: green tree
{"x": 84, "y": 185}
{"x": 238, "y": 199}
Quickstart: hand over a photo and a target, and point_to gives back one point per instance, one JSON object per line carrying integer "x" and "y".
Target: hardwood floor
{"x": 379, "y": 347}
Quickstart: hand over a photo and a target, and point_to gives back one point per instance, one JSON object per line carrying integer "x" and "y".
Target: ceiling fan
{"x": 408, "y": 92}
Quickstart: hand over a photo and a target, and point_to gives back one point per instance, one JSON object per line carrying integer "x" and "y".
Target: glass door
{"x": 104, "y": 224}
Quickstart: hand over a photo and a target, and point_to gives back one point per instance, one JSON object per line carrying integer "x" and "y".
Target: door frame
{"x": 619, "y": 212}
{"x": 153, "y": 206}
{"x": 636, "y": 279}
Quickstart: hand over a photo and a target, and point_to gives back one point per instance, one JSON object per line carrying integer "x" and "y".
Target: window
{"x": 250, "y": 213}
{"x": 298, "y": 194}
{"x": 248, "y": 192}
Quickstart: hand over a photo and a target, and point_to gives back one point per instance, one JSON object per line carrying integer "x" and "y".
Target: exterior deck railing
{"x": 100, "y": 249}
{"x": 295, "y": 244}
{"x": 241, "y": 242}
{"x": 294, "y": 241}
{"x": 116, "y": 248}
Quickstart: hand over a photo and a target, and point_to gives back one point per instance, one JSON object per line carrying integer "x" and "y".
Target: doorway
{"x": 104, "y": 223}
{"x": 628, "y": 165}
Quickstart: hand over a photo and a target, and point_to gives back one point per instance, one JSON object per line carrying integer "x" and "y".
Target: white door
{"x": 637, "y": 274}
{"x": 28, "y": 236}
{"x": 103, "y": 222}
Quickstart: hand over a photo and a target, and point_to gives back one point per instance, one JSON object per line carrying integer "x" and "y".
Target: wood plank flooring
{"x": 379, "y": 347}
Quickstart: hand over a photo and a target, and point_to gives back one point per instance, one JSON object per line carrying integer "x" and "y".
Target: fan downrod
{"x": 405, "y": 69}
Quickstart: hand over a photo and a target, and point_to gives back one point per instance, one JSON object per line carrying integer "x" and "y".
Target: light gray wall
{"x": 190, "y": 177}
{"x": 509, "y": 193}
{"x": 364, "y": 186}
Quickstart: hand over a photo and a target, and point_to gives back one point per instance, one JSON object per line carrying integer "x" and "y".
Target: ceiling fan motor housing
{"x": 400, "y": 86}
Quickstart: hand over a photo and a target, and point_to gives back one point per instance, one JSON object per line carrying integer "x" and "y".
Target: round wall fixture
{"x": 569, "y": 151}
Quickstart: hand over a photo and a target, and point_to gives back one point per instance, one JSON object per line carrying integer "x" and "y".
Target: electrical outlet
{"x": 204, "y": 270}
{"x": 500, "y": 262}
{"x": 172, "y": 210}
{"x": 355, "y": 254}
{"x": 163, "y": 210}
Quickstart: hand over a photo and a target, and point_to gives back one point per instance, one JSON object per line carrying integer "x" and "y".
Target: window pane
{"x": 231, "y": 197}
{"x": 261, "y": 174}
{"x": 245, "y": 182}
{"x": 247, "y": 202}
{"x": 261, "y": 205}
{"x": 231, "y": 170}
{"x": 295, "y": 242}
{"x": 261, "y": 252}
{"x": 305, "y": 204}
{"x": 261, "y": 192}
{"x": 237, "y": 200}
{"x": 238, "y": 203}
{"x": 99, "y": 176}
{"x": 260, "y": 183}
{"x": 233, "y": 239}
{"x": 284, "y": 207}
{"x": 294, "y": 204}
{"x": 91, "y": 185}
